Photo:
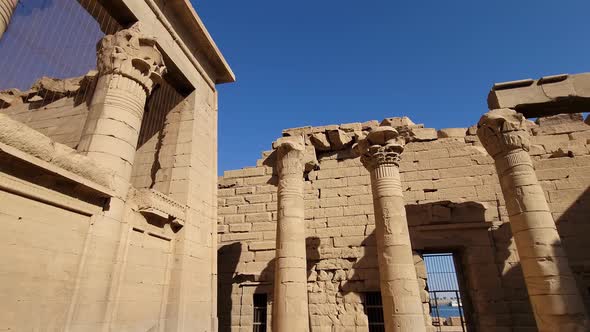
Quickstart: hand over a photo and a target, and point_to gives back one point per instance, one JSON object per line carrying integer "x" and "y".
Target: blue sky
{"x": 307, "y": 62}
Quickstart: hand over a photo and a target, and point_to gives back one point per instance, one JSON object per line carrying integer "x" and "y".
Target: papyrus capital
{"x": 383, "y": 145}
{"x": 290, "y": 153}
{"x": 131, "y": 54}
{"x": 502, "y": 131}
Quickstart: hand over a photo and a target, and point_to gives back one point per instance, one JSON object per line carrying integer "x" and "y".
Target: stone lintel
{"x": 549, "y": 95}
{"x": 153, "y": 202}
{"x": 196, "y": 34}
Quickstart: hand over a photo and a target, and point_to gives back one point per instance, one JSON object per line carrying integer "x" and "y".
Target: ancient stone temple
{"x": 108, "y": 175}
{"x": 112, "y": 216}
{"x": 506, "y": 200}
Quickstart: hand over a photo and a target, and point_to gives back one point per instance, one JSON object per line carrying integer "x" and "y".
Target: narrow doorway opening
{"x": 446, "y": 306}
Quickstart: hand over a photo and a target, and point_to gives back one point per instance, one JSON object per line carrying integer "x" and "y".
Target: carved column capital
{"x": 132, "y": 55}
{"x": 290, "y": 152}
{"x": 382, "y": 146}
{"x": 502, "y": 131}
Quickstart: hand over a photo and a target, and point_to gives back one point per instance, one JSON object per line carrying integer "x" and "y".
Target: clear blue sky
{"x": 322, "y": 62}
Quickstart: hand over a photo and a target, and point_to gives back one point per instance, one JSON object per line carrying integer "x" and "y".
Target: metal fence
{"x": 52, "y": 38}
{"x": 446, "y": 307}
{"x": 374, "y": 311}
{"x": 48, "y": 53}
{"x": 260, "y": 313}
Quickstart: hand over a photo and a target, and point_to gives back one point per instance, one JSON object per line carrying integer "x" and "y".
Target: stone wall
{"x": 56, "y": 108}
{"x": 158, "y": 138}
{"x": 453, "y": 201}
{"x": 41, "y": 249}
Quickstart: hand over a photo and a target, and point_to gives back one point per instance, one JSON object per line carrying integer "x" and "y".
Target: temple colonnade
{"x": 553, "y": 293}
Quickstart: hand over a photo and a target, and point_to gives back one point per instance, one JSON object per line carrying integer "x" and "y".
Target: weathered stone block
{"x": 260, "y": 198}
{"x": 240, "y": 227}
{"x": 246, "y": 172}
{"x": 261, "y": 245}
{"x": 320, "y": 142}
{"x": 397, "y": 122}
{"x": 339, "y": 139}
{"x": 452, "y": 132}
{"x": 251, "y": 208}
{"x": 349, "y": 241}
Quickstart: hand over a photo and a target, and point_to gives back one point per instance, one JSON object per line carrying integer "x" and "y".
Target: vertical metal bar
{"x": 437, "y": 311}
{"x": 461, "y": 311}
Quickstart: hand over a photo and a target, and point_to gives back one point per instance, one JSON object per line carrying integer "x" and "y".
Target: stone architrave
{"x": 380, "y": 153}
{"x": 129, "y": 67}
{"x": 555, "y": 299}
{"x": 290, "y": 306}
{"x": 6, "y": 10}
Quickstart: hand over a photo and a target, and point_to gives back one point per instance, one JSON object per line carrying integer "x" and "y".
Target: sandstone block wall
{"x": 56, "y": 108}
{"x": 453, "y": 201}
{"x": 94, "y": 248}
{"x": 163, "y": 275}
{"x": 41, "y": 249}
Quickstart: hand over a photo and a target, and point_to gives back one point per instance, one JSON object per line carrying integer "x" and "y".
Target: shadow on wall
{"x": 490, "y": 272}
{"x": 231, "y": 282}
{"x": 515, "y": 292}
{"x": 160, "y": 102}
{"x": 228, "y": 257}
{"x": 574, "y": 229}
{"x": 462, "y": 228}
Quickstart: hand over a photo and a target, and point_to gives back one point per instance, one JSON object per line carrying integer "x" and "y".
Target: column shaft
{"x": 402, "y": 305}
{"x": 112, "y": 128}
{"x": 290, "y": 306}
{"x": 6, "y": 10}
{"x": 555, "y": 298}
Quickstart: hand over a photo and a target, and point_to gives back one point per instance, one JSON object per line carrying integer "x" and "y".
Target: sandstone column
{"x": 380, "y": 153}
{"x": 290, "y": 309}
{"x": 129, "y": 66}
{"x": 555, "y": 299}
{"x": 6, "y": 9}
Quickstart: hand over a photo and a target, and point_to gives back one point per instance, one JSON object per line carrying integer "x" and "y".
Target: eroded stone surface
{"x": 546, "y": 96}
{"x": 452, "y": 198}
{"x": 290, "y": 308}
{"x": 545, "y": 266}
{"x": 21, "y": 137}
{"x": 99, "y": 245}
{"x": 381, "y": 153}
